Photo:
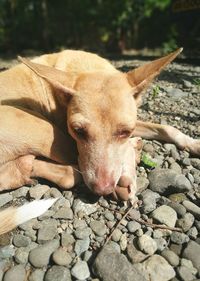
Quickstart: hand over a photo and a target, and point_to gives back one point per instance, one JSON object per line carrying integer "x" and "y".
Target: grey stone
{"x": 123, "y": 241}
{"x": 67, "y": 239}
{"x": 21, "y": 256}
{"x": 192, "y": 208}
{"x": 5, "y": 198}
{"x": 80, "y": 270}
{"x": 185, "y": 273}
{"x": 189, "y": 265}
{"x": 64, "y": 213}
{"x": 195, "y": 162}
{"x": 165, "y": 215}
{"x": 37, "y": 275}
{"x": 161, "y": 244}
{"x": 171, "y": 257}
{"x": 81, "y": 246}
{"x": 98, "y": 227}
{"x": 40, "y": 256}
{"x": 176, "y": 167}
{"x": 156, "y": 268}
{"x": 7, "y": 252}
{"x": 134, "y": 255}
{"x": 16, "y": 273}
{"x": 82, "y": 233}
{"x": 57, "y": 273}
{"x": 87, "y": 208}
{"x": 186, "y": 222}
{"x": 47, "y": 231}
{"x": 20, "y": 240}
{"x": 192, "y": 233}
{"x": 142, "y": 183}
{"x": 109, "y": 216}
{"x": 179, "y": 238}
{"x": 20, "y": 192}
{"x": 180, "y": 209}
{"x": 176, "y": 248}
{"x": 116, "y": 235}
{"x": 147, "y": 244}
{"x": 175, "y": 93}
{"x": 132, "y": 226}
{"x": 149, "y": 200}
{"x": 192, "y": 252}
{"x": 167, "y": 180}
{"x": 116, "y": 268}
{"x": 61, "y": 257}
{"x": 38, "y": 191}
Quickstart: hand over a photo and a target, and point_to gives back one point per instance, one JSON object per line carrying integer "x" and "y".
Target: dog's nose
{"x": 103, "y": 188}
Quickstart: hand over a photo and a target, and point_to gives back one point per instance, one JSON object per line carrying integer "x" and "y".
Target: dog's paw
{"x": 195, "y": 148}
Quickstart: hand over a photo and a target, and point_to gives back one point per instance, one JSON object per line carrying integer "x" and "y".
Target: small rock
{"x": 176, "y": 167}
{"x": 180, "y": 209}
{"x": 81, "y": 246}
{"x": 21, "y": 256}
{"x": 156, "y": 268}
{"x": 37, "y": 191}
{"x": 185, "y": 273}
{"x": 175, "y": 93}
{"x": 123, "y": 242}
{"x": 177, "y": 197}
{"x": 186, "y": 222}
{"x": 5, "y": 198}
{"x": 134, "y": 255}
{"x": 61, "y": 257}
{"x": 149, "y": 199}
{"x": 20, "y": 192}
{"x": 192, "y": 232}
{"x": 98, "y": 227}
{"x": 109, "y": 216}
{"x": 64, "y": 213}
{"x": 147, "y": 244}
{"x": 67, "y": 239}
{"x": 167, "y": 180}
{"x": 16, "y": 273}
{"x": 161, "y": 244}
{"x": 7, "y": 252}
{"x": 57, "y": 273}
{"x": 171, "y": 257}
{"x": 48, "y": 231}
{"x": 82, "y": 233}
{"x": 195, "y": 162}
{"x": 115, "y": 268}
{"x": 80, "y": 270}
{"x": 132, "y": 226}
{"x": 189, "y": 265}
{"x": 192, "y": 252}
{"x": 87, "y": 208}
{"x": 192, "y": 208}
{"x": 40, "y": 256}
{"x": 179, "y": 238}
{"x": 141, "y": 183}
{"x": 20, "y": 240}
{"x": 116, "y": 235}
{"x": 165, "y": 215}
{"x": 37, "y": 275}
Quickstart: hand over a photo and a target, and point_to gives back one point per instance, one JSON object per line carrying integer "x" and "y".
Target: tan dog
{"x": 71, "y": 106}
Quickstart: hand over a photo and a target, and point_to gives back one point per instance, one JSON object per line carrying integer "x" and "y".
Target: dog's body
{"x": 71, "y": 108}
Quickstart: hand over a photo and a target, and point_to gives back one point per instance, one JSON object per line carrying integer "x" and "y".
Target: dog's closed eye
{"x": 123, "y": 134}
{"x": 80, "y": 132}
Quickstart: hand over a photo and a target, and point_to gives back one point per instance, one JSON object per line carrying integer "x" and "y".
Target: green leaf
{"x": 148, "y": 161}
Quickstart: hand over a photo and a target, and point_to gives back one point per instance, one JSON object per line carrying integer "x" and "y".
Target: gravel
{"x": 68, "y": 241}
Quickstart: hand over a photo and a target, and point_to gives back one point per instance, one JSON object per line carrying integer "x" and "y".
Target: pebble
{"x": 67, "y": 239}
{"x": 80, "y": 270}
{"x": 82, "y": 233}
{"x": 37, "y": 275}
{"x": 171, "y": 257}
{"x": 162, "y": 180}
{"x": 134, "y": 255}
{"x": 192, "y": 208}
{"x": 87, "y": 208}
{"x": 180, "y": 209}
{"x": 62, "y": 257}
{"x": 47, "y": 231}
{"x": 186, "y": 222}
{"x": 16, "y": 273}
{"x": 20, "y": 192}
{"x": 64, "y": 213}
{"x": 192, "y": 252}
{"x": 98, "y": 227}
{"x": 177, "y": 197}
{"x": 20, "y": 240}
{"x": 109, "y": 216}
{"x": 142, "y": 183}
{"x": 37, "y": 191}
{"x": 189, "y": 265}
{"x": 40, "y": 256}
{"x": 165, "y": 215}
{"x": 132, "y": 226}
{"x": 147, "y": 244}
{"x": 5, "y": 198}
{"x": 123, "y": 241}
{"x": 81, "y": 246}
{"x": 179, "y": 238}
{"x": 21, "y": 256}
{"x": 149, "y": 199}
{"x": 185, "y": 273}
{"x": 156, "y": 268}
{"x": 7, "y": 252}
{"x": 161, "y": 244}
{"x": 115, "y": 268}
{"x": 116, "y": 235}
{"x": 57, "y": 273}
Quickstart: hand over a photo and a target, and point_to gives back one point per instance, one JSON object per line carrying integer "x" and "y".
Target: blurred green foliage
{"x": 110, "y": 25}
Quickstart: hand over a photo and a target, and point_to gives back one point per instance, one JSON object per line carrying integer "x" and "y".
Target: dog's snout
{"x": 102, "y": 187}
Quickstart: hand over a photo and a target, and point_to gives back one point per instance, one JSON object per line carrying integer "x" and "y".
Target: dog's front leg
{"x": 169, "y": 134}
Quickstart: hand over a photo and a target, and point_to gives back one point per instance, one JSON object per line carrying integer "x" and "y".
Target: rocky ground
{"x": 87, "y": 238}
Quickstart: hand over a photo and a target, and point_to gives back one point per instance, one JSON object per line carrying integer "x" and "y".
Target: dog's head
{"x": 101, "y": 115}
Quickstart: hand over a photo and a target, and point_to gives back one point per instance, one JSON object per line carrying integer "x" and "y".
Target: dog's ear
{"x": 142, "y": 76}
{"x": 56, "y": 78}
